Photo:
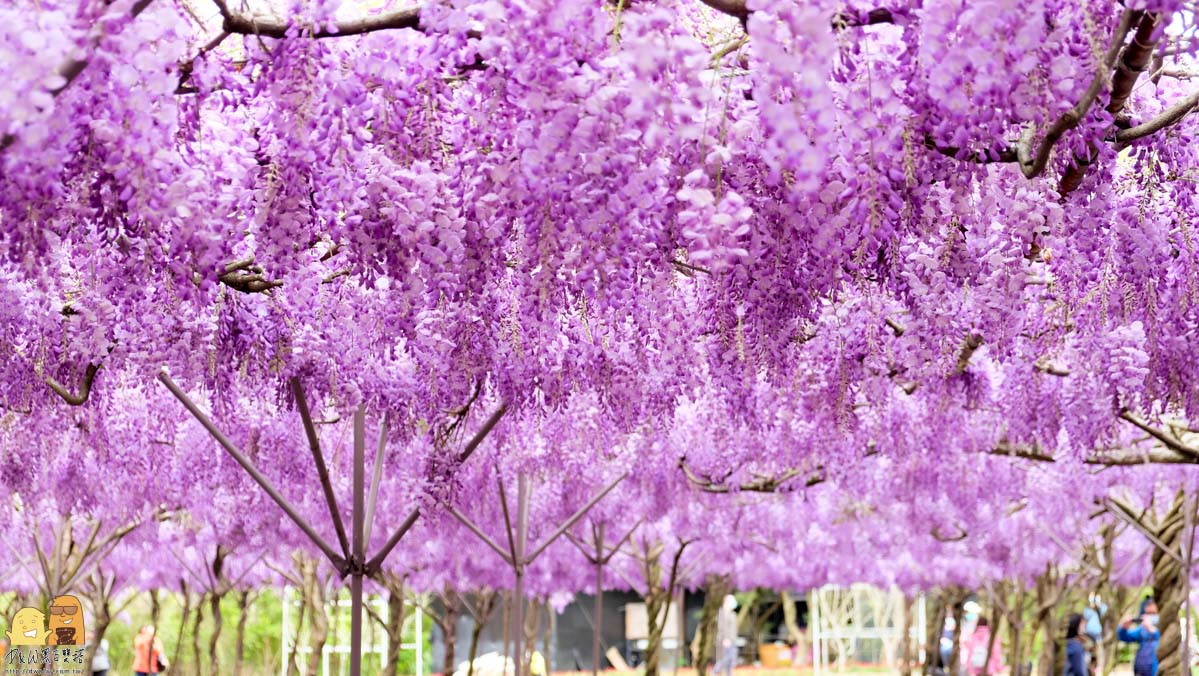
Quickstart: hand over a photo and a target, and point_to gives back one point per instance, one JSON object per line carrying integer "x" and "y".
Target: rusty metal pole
{"x": 358, "y": 557}
{"x": 522, "y": 533}
{"x": 596, "y": 658}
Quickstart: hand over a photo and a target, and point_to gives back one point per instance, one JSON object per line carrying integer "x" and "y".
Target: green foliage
{"x": 264, "y": 630}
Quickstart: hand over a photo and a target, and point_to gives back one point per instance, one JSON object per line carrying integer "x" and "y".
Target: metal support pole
{"x": 599, "y": 600}
{"x": 338, "y": 561}
{"x": 574, "y": 518}
{"x": 356, "y": 566}
{"x": 357, "y": 558}
{"x": 518, "y": 546}
{"x": 322, "y": 472}
{"x": 376, "y": 477}
{"x": 522, "y": 533}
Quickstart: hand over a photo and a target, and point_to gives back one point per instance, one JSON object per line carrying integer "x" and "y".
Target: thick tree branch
{"x": 1044, "y": 366}
{"x": 276, "y": 27}
{"x": 85, "y": 387}
{"x": 1168, "y": 117}
{"x": 865, "y": 18}
{"x": 839, "y": 21}
{"x": 1112, "y": 458}
{"x": 1070, "y": 119}
{"x": 1166, "y": 440}
{"x": 1133, "y": 62}
{"x": 1002, "y": 156}
{"x": 972, "y": 342}
{"x": 244, "y": 276}
{"x": 735, "y": 8}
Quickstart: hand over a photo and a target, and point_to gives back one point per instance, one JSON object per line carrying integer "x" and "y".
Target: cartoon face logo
{"x": 27, "y": 628}
{"x": 66, "y": 621}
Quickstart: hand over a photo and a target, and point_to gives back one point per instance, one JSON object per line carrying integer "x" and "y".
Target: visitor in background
{"x": 1076, "y": 654}
{"x": 946, "y": 651}
{"x": 146, "y": 660}
{"x": 1093, "y": 615}
{"x": 726, "y": 636}
{"x": 975, "y": 650}
{"x": 1145, "y": 633}
{"x": 100, "y": 663}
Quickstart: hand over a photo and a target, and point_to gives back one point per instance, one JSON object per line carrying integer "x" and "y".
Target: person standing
{"x": 976, "y": 648}
{"x": 1076, "y": 654}
{"x": 100, "y": 662}
{"x": 1146, "y": 635}
{"x": 149, "y": 657}
{"x": 726, "y": 636}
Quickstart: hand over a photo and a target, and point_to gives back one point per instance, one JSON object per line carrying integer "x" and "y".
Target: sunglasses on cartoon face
{"x": 62, "y": 610}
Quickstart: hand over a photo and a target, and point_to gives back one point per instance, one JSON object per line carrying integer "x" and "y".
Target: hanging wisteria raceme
{"x": 919, "y": 268}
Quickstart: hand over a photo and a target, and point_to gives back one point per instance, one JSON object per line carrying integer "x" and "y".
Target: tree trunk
{"x": 214, "y": 602}
{"x": 1048, "y": 596}
{"x": 1117, "y": 601}
{"x": 1168, "y": 590}
{"x": 199, "y": 664}
{"x": 992, "y": 638}
{"x": 101, "y": 617}
{"x": 293, "y": 660}
{"x": 547, "y": 637}
{"x": 655, "y": 601}
{"x": 319, "y": 632}
{"x": 934, "y": 624}
{"x": 959, "y": 610}
{"x": 905, "y": 636}
{"x": 483, "y": 610}
{"x": 395, "y": 630}
{"x": 704, "y": 646}
{"x": 532, "y": 626}
{"x": 243, "y": 607}
{"x": 452, "y": 608}
{"x": 183, "y": 615}
{"x": 1015, "y": 622}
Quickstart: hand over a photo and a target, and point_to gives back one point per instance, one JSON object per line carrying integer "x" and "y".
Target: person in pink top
{"x": 975, "y": 651}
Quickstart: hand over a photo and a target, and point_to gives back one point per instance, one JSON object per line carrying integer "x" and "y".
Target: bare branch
{"x": 866, "y": 18}
{"x": 972, "y": 342}
{"x": 1004, "y": 155}
{"x": 276, "y": 27}
{"x": 1166, "y": 440}
{"x": 1168, "y": 117}
{"x": 839, "y": 22}
{"x": 735, "y": 8}
{"x": 332, "y": 277}
{"x": 1103, "y": 457}
{"x": 1070, "y": 119}
{"x": 85, "y": 387}
{"x": 689, "y": 269}
{"x": 1049, "y": 369}
{"x": 1135, "y": 60}
{"x": 956, "y": 537}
